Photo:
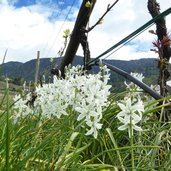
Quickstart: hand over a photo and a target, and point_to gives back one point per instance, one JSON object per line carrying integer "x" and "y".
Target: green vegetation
{"x": 60, "y": 144}
{"x": 25, "y": 71}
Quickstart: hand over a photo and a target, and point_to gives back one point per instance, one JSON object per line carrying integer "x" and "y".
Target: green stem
{"x": 131, "y": 142}
{"x": 3, "y": 98}
{"x": 7, "y": 129}
{"x": 116, "y": 147}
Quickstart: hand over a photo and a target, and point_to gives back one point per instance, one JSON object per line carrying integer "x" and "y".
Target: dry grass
{"x": 13, "y": 88}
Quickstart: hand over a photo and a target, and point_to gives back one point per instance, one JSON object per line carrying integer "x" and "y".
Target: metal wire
{"x": 61, "y": 27}
{"x": 132, "y": 35}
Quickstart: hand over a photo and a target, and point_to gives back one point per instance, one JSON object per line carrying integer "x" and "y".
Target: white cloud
{"x": 28, "y": 29}
{"x": 124, "y": 18}
{"x": 3, "y": 2}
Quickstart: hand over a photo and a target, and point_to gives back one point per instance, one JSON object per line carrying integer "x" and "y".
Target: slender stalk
{"x": 66, "y": 150}
{"x": 108, "y": 9}
{"x": 131, "y": 142}
{"x": 7, "y": 128}
{"x": 3, "y": 99}
{"x": 116, "y": 147}
{"x": 1, "y": 71}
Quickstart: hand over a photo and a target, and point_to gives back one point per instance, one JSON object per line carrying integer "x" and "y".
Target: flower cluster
{"x": 131, "y": 107}
{"x": 131, "y": 113}
{"x": 86, "y": 94}
{"x": 21, "y": 108}
{"x": 91, "y": 97}
{"x": 132, "y": 88}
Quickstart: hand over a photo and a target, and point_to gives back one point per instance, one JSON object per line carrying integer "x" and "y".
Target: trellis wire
{"x": 133, "y": 34}
{"x": 145, "y": 87}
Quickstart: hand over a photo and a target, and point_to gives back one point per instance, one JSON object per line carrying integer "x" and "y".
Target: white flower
{"x": 155, "y": 88}
{"x": 51, "y": 59}
{"x": 138, "y": 76}
{"x": 168, "y": 83}
{"x": 94, "y": 127}
{"x": 83, "y": 109}
{"x": 130, "y": 111}
{"x": 86, "y": 94}
{"x": 169, "y": 86}
{"x": 133, "y": 89}
{"x": 127, "y": 126}
{"x": 72, "y": 72}
{"x": 21, "y": 109}
{"x": 91, "y": 97}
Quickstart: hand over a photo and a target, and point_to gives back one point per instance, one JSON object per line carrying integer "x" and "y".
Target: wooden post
{"x": 163, "y": 46}
{"x": 5, "y": 54}
{"x": 164, "y": 51}
{"x": 81, "y": 23}
{"x": 37, "y": 67}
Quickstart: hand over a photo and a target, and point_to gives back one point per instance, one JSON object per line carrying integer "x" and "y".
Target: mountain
{"x": 9, "y": 67}
{"x": 26, "y": 71}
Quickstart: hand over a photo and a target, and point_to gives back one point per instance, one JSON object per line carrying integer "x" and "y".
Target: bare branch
{"x": 109, "y": 7}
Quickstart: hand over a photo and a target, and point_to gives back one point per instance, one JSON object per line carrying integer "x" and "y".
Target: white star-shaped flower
{"x": 130, "y": 111}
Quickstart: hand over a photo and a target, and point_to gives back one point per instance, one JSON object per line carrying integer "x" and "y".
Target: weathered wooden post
{"x": 37, "y": 68}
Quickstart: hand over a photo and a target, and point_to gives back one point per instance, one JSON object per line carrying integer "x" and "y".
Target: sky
{"x": 28, "y": 26}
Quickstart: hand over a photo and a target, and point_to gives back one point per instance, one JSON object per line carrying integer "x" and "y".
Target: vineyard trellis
{"x": 123, "y": 42}
{"x": 50, "y": 128}
{"x": 132, "y": 35}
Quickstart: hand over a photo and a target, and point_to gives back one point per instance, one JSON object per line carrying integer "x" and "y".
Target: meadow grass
{"x": 61, "y": 144}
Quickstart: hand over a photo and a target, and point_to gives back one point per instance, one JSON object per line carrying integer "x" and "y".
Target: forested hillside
{"x": 26, "y": 71}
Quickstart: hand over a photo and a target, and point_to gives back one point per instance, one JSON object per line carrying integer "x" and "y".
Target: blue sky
{"x": 31, "y": 25}
{"x": 50, "y": 3}
{"x": 56, "y": 6}
{"x": 22, "y": 3}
